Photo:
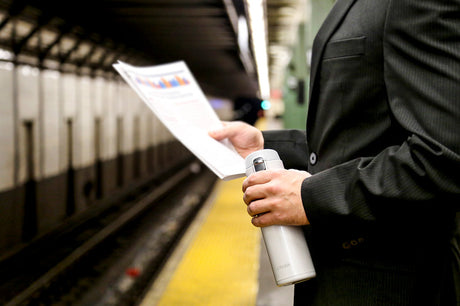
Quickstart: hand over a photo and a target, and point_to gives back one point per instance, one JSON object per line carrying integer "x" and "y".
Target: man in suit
{"x": 377, "y": 184}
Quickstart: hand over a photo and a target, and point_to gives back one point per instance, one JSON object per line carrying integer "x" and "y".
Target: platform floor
{"x": 220, "y": 261}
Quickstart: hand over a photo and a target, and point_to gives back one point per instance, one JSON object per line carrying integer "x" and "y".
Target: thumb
{"x": 222, "y": 132}
{"x": 217, "y": 134}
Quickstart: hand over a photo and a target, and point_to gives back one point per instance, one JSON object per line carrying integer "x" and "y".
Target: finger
{"x": 227, "y": 130}
{"x": 256, "y": 221}
{"x": 254, "y": 209}
{"x": 262, "y": 220}
{"x": 217, "y": 134}
{"x": 256, "y": 178}
{"x": 254, "y": 193}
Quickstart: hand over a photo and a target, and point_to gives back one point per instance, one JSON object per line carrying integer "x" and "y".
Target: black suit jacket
{"x": 383, "y": 143}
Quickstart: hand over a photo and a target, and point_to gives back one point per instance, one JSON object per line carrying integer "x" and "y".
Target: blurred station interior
{"x": 96, "y": 195}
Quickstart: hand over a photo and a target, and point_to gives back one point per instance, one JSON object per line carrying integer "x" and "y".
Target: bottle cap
{"x": 266, "y": 154}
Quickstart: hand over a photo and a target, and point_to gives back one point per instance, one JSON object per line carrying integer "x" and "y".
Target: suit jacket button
{"x": 313, "y": 158}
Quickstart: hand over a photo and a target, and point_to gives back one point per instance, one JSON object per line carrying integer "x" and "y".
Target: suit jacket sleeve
{"x": 421, "y": 41}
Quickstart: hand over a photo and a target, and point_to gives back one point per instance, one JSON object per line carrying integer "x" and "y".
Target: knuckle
{"x": 278, "y": 217}
{"x": 245, "y": 199}
{"x": 249, "y": 180}
{"x": 271, "y": 189}
{"x": 249, "y": 209}
{"x": 274, "y": 188}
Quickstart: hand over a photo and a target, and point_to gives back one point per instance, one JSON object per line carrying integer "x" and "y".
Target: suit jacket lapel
{"x": 329, "y": 25}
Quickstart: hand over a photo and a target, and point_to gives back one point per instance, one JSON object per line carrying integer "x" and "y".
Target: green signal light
{"x": 265, "y": 104}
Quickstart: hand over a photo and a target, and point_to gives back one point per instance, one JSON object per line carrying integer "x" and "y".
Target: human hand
{"x": 244, "y": 137}
{"x": 274, "y": 197}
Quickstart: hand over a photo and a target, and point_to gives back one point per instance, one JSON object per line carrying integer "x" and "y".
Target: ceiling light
{"x": 257, "y": 25}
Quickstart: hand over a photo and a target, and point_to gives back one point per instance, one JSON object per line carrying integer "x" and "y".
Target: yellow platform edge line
{"x": 217, "y": 262}
{"x": 164, "y": 277}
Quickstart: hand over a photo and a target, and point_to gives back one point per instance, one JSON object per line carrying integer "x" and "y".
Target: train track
{"x": 111, "y": 257}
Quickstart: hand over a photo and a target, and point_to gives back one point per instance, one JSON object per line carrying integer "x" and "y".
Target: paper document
{"x": 172, "y": 93}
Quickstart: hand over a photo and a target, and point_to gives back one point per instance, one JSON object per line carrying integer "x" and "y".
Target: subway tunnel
{"x": 96, "y": 194}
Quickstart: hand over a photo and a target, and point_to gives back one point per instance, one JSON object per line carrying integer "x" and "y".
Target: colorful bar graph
{"x": 163, "y": 83}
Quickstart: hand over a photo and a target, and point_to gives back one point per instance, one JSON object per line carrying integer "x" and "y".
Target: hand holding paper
{"x": 244, "y": 137}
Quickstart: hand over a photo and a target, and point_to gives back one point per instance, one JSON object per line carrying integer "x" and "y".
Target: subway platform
{"x": 221, "y": 260}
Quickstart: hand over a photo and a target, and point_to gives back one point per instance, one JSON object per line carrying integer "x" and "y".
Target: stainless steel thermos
{"x": 286, "y": 246}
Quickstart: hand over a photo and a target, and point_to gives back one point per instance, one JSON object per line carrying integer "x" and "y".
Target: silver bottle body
{"x": 286, "y": 245}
